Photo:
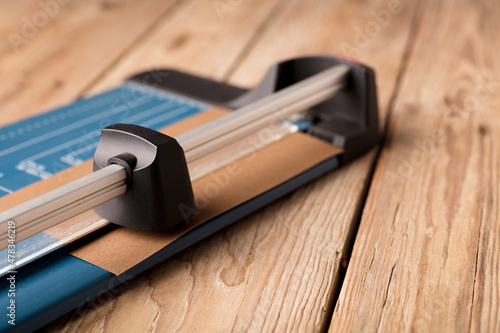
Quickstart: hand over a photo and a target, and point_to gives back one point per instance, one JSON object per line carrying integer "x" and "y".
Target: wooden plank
{"x": 202, "y": 38}
{"x": 60, "y": 56}
{"x": 12, "y": 24}
{"x": 276, "y": 270}
{"x": 427, "y": 254}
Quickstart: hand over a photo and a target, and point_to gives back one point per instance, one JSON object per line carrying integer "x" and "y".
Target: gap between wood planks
{"x": 455, "y": 207}
{"x": 351, "y": 238}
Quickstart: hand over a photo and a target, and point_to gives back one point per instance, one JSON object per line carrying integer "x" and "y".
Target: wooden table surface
{"x": 406, "y": 238}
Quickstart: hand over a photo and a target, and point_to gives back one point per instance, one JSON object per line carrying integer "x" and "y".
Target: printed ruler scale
{"x": 39, "y": 147}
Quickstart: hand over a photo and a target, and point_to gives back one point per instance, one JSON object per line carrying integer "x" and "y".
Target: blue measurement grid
{"x": 38, "y": 147}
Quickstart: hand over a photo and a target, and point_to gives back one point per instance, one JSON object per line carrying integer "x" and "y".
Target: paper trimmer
{"x": 143, "y": 179}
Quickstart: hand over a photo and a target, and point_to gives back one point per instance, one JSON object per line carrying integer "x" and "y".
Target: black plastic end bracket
{"x": 159, "y": 193}
{"x": 348, "y": 120}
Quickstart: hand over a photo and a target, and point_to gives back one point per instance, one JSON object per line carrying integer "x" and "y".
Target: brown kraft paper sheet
{"x": 122, "y": 248}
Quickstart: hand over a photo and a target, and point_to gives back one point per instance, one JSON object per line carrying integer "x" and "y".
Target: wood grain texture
{"x": 427, "y": 252}
{"x": 12, "y": 23}
{"x": 278, "y": 269}
{"x": 61, "y": 56}
{"x": 200, "y": 38}
{"x": 426, "y": 257}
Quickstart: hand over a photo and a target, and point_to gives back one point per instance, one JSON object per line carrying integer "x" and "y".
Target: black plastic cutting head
{"x": 159, "y": 187}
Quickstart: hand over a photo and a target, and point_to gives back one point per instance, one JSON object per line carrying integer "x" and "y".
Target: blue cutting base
{"x": 38, "y": 147}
